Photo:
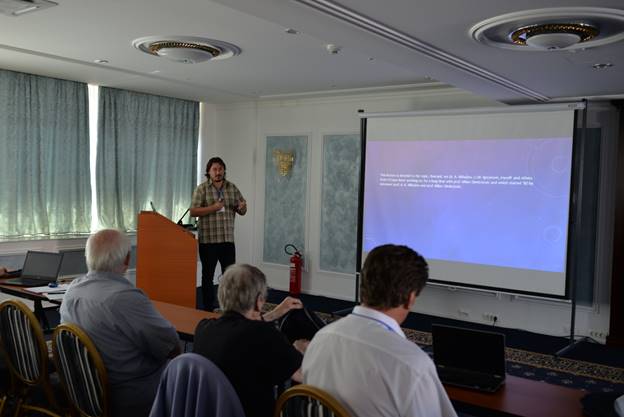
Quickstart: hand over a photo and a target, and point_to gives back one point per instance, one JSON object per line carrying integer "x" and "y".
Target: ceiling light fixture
{"x": 187, "y": 50}
{"x": 552, "y": 29}
{"x": 553, "y": 36}
{"x": 291, "y": 31}
{"x": 101, "y": 61}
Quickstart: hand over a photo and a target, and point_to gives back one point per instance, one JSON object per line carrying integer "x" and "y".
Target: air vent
{"x": 187, "y": 50}
{"x": 19, "y": 7}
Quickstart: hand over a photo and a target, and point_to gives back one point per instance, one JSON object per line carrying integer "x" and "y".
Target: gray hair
{"x": 106, "y": 251}
{"x": 240, "y": 287}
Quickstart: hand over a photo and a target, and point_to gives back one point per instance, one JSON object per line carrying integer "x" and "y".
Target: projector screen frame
{"x": 574, "y": 214}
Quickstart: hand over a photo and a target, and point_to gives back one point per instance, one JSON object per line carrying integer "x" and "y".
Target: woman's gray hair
{"x": 240, "y": 286}
{"x": 106, "y": 251}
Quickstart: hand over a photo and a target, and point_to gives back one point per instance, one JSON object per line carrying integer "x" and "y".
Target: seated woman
{"x": 249, "y": 350}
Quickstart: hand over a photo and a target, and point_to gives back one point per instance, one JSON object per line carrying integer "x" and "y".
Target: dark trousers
{"x": 210, "y": 253}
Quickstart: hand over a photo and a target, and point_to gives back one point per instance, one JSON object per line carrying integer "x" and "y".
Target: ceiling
{"x": 65, "y": 40}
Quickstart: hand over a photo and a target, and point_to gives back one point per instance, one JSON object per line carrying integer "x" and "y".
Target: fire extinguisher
{"x": 296, "y": 265}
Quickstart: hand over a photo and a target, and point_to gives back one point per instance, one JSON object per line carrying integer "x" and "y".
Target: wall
{"x": 238, "y": 132}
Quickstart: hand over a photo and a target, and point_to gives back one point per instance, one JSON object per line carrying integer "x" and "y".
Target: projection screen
{"x": 482, "y": 194}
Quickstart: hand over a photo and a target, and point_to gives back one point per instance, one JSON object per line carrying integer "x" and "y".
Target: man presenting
{"x": 364, "y": 359}
{"x": 216, "y": 202}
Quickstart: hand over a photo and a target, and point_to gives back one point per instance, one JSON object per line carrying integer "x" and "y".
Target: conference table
{"x": 184, "y": 319}
{"x": 518, "y": 397}
{"x": 37, "y": 299}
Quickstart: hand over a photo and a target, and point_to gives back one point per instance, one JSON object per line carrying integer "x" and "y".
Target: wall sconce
{"x": 284, "y": 161}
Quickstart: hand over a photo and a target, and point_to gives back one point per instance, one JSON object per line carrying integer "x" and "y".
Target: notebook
{"x": 40, "y": 268}
{"x": 469, "y": 358}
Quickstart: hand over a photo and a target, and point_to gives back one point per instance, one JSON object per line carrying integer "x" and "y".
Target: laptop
{"x": 40, "y": 268}
{"x": 469, "y": 358}
{"x": 74, "y": 264}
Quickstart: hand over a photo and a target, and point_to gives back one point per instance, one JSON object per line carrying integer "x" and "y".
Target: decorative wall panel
{"x": 284, "y": 196}
{"x": 339, "y": 206}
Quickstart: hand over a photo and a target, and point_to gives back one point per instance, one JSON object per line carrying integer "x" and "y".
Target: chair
{"x": 192, "y": 386}
{"x": 81, "y": 371}
{"x": 308, "y": 401}
{"x": 26, "y": 353}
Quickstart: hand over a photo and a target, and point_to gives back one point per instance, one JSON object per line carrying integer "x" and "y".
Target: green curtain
{"x": 147, "y": 152}
{"x": 44, "y": 156}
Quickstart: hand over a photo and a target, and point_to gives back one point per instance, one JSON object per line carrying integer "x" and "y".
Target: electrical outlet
{"x": 597, "y": 334}
{"x": 491, "y": 317}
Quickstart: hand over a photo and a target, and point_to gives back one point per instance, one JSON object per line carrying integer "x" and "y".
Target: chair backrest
{"x": 308, "y": 401}
{"x": 21, "y": 339}
{"x": 193, "y": 386}
{"x": 300, "y": 324}
{"x": 81, "y": 371}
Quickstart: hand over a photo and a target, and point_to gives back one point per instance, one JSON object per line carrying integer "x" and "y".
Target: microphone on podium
{"x": 180, "y": 221}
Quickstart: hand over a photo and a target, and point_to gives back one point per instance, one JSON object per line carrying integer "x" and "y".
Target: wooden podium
{"x": 166, "y": 260}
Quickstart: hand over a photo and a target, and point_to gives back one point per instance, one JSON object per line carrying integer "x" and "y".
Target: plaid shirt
{"x": 217, "y": 227}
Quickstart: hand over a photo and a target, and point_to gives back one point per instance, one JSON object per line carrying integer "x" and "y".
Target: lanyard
{"x": 374, "y": 319}
{"x": 219, "y": 192}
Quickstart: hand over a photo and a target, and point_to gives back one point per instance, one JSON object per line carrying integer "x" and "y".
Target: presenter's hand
{"x": 284, "y": 307}
{"x": 218, "y": 205}
{"x": 242, "y": 206}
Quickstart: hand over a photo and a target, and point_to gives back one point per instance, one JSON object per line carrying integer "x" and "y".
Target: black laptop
{"x": 469, "y": 358}
{"x": 40, "y": 268}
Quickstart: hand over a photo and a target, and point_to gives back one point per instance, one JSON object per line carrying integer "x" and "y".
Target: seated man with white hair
{"x": 251, "y": 352}
{"x": 134, "y": 340}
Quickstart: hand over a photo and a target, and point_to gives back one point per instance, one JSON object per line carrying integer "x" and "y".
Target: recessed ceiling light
{"x": 101, "y": 61}
{"x": 370, "y": 58}
{"x": 291, "y": 31}
{"x": 333, "y": 49}
{"x": 602, "y": 65}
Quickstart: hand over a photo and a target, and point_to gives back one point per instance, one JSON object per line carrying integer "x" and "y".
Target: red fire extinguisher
{"x": 296, "y": 265}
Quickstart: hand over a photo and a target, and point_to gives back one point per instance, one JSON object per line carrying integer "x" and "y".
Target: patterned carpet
{"x": 588, "y": 376}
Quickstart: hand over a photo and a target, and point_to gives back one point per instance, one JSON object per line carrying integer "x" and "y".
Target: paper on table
{"x": 55, "y": 296}
{"x": 46, "y": 289}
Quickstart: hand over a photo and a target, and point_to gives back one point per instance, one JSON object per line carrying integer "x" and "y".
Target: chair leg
{"x": 18, "y": 407}
{"x": 47, "y": 389}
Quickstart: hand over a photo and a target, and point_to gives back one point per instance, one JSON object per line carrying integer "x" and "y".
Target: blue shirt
{"x": 132, "y": 337}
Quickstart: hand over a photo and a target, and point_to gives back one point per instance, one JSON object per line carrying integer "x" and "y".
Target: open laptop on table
{"x": 469, "y": 358}
{"x": 40, "y": 268}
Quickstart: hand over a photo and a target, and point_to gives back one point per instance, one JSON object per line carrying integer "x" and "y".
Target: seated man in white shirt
{"x": 364, "y": 359}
